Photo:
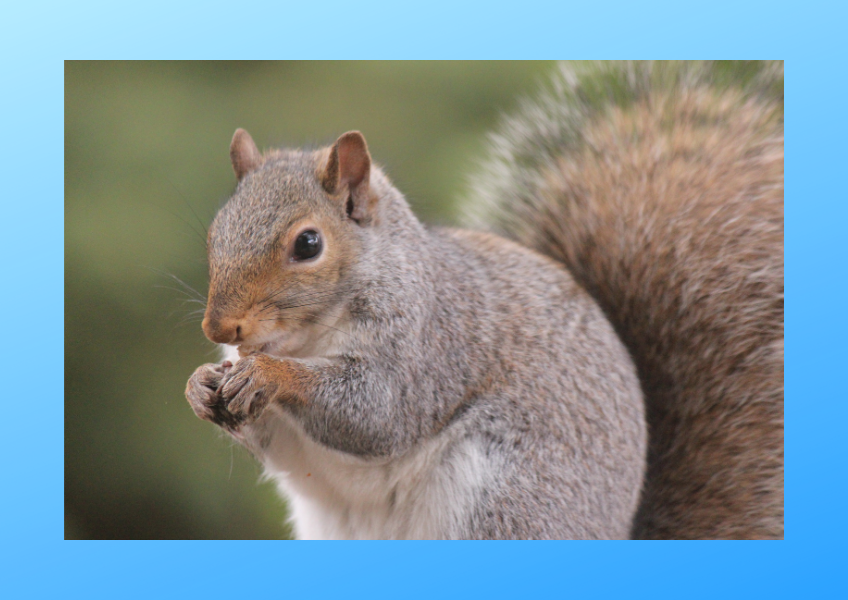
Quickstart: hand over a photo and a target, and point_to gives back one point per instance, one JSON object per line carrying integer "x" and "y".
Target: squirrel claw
{"x": 246, "y": 390}
{"x": 202, "y": 393}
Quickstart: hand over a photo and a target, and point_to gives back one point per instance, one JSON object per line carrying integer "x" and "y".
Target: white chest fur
{"x": 425, "y": 494}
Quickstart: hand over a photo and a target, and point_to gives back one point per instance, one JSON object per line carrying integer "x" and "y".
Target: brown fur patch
{"x": 669, "y": 211}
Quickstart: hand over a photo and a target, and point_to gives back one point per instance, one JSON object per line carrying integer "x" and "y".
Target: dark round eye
{"x": 307, "y": 245}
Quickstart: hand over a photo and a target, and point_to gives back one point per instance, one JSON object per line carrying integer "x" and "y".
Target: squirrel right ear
{"x": 244, "y": 154}
{"x": 348, "y": 167}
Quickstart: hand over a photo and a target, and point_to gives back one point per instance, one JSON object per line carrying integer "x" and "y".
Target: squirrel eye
{"x": 307, "y": 245}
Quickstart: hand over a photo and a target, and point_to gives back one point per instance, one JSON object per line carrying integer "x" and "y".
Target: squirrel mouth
{"x": 271, "y": 346}
{"x": 248, "y": 349}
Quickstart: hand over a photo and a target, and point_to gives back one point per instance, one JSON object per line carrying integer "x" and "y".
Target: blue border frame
{"x": 36, "y": 40}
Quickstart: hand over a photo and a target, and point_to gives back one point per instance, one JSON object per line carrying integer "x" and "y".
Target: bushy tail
{"x": 660, "y": 187}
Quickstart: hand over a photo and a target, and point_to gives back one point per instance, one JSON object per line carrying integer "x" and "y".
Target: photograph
{"x": 438, "y": 300}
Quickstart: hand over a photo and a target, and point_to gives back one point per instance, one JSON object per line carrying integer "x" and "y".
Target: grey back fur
{"x": 660, "y": 187}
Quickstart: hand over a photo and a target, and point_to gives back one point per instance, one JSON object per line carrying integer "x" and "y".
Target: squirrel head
{"x": 281, "y": 248}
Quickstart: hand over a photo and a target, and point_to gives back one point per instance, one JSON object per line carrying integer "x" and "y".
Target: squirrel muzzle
{"x": 225, "y": 330}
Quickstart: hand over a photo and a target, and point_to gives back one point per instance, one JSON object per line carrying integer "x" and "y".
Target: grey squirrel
{"x": 608, "y": 363}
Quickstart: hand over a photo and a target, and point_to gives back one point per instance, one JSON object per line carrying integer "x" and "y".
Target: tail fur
{"x": 660, "y": 187}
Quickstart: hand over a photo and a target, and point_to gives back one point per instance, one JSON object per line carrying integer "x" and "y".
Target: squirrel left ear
{"x": 244, "y": 154}
{"x": 348, "y": 167}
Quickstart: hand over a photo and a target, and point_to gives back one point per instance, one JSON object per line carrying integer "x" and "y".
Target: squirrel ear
{"x": 349, "y": 166}
{"x": 244, "y": 153}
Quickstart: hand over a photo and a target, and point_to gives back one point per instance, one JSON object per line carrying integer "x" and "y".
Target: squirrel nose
{"x": 225, "y": 330}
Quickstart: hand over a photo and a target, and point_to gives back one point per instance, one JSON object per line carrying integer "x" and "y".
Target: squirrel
{"x": 602, "y": 358}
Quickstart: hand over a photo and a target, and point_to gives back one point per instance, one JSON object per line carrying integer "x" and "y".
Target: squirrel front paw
{"x": 202, "y": 392}
{"x": 249, "y": 387}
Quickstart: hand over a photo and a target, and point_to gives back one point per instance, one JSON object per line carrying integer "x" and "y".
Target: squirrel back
{"x": 660, "y": 187}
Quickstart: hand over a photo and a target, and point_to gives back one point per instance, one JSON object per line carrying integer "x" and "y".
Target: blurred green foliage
{"x": 146, "y": 167}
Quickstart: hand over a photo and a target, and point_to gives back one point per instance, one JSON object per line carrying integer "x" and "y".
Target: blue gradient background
{"x": 36, "y": 39}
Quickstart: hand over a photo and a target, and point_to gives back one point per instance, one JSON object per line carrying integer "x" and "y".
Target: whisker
{"x": 194, "y": 301}
{"x": 190, "y": 298}
{"x": 190, "y": 207}
{"x": 286, "y": 318}
{"x": 188, "y": 315}
{"x": 311, "y": 296}
{"x": 271, "y": 300}
{"x": 185, "y": 221}
{"x": 303, "y": 300}
{"x": 316, "y": 302}
{"x": 276, "y": 293}
{"x": 186, "y": 286}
